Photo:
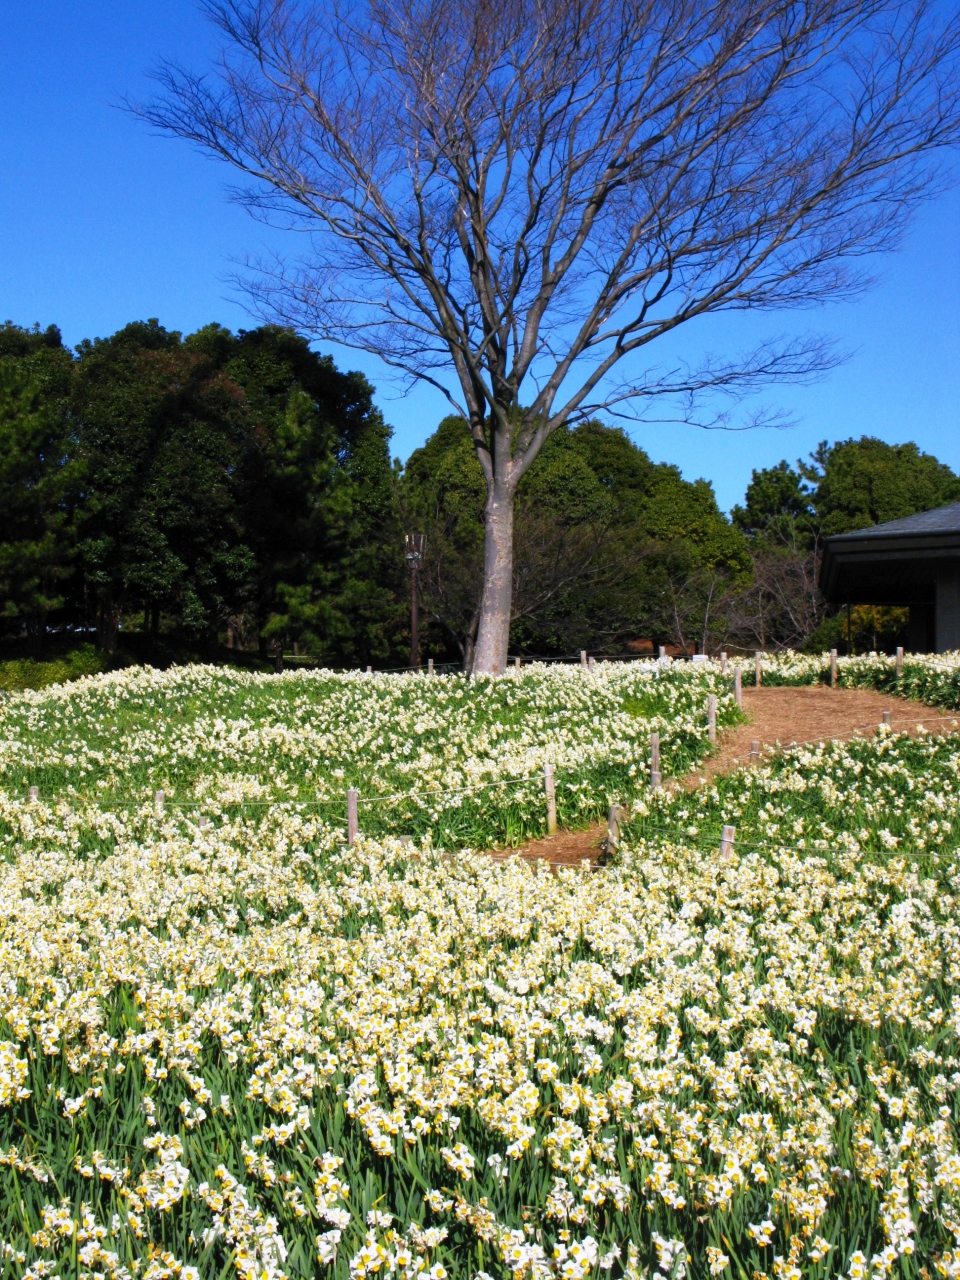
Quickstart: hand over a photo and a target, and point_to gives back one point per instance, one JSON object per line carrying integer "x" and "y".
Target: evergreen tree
{"x": 37, "y": 476}
{"x": 610, "y": 546}
{"x": 162, "y": 431}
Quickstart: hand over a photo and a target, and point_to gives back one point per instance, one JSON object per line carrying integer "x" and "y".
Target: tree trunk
{"x": 108, "y": 619}
{"x": 468, "y": 647}
{"x": 493, "y": 636}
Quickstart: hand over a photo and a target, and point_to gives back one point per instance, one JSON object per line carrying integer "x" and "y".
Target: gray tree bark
{"x": 493, "y": 637}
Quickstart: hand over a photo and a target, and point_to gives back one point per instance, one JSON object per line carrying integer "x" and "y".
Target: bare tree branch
{"x": 527, "y": 194}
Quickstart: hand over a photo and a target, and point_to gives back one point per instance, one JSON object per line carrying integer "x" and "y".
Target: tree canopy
{"x": 610, "y": 545}
{"x": 221, "y": 481}
{"x": 236, "y": 488}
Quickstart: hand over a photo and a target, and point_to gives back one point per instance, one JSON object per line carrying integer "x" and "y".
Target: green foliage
{"x": 37, "y": 474}
{"x": 163, "y": 433}
{"x": 777, "y": 504}
{"x": 844, "y": 486}
{"x": 863, "y": 482}
{"x": 200, "y": 483}
{"x": 27, "y": 673}
{"x": 181, "y": 488}
{"x": 318, "y": 499}
{"x": 870, "y": 627}
{"x": 609, "y": 545}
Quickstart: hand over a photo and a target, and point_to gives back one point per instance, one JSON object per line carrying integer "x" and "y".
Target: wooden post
{"x": 888, "y": 718}
{"x": 712, "y": 717}
{"x": 723, "y": 663}
{"x": 754, "y": 750}
{"x": 516, "y": 663}
{"x": 158, "y": 800}
{"x": 613, "y": 826}
{"x": 727, "y": 841}
{"x": 899, "y": 661}
{"x": 550, "y": 790}
{"x": 663, "y": 652}
{"x": 591, "y": 663}
{"x": 33, "y": 793}
{"x": 353, "y": 825}
{"x": 758, "y": 669}
{"x": 833, "y": 668}
{"x": 655, "y": 776}
{"x": 369, "y": 669}
{"x": 738, "y": 686}
{"x": 583, "y": 657}
{"x": 429, "y": 666}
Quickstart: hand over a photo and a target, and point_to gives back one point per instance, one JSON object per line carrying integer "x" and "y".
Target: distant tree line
{"x": 172, "y": 493}
{"x": 215, "y": 487}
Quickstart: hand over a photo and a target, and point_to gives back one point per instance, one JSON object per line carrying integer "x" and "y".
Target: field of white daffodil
{"x": 243, "y": 1049}
{"x": 457, "y": 760}
{"x": 930, "y": 678}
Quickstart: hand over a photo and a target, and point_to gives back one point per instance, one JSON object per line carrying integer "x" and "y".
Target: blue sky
{"x": 102, "y": 223}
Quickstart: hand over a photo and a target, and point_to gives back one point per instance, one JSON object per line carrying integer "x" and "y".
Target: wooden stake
{"x": 833, "y": 668}
{"x": 369, "y": 669}
{"x": 353, "y": 824}
{"x": 663, "y": 652}
{"x": 727, "y": 840}
{"x": 516, "y": 663}
{"x": 899, "y": 661}
{"x": 655, "y": 776}
{"x": 550, "y": 790}
{"x": 33, "y": 794}
{"x": 712, "y": 717}
{"x": 888, "y": 718}
{"x": 758, "y": 669}
{"x": 591, "y": 663}
{"x": 429, "y": 666}
{"x": 723, "y": 663}
{"x": 614, "y": 818}
{"x": 738, "y": 686}
{"x": 583, "y": 657}
{"x": 754, "y": 750}
{"x": 158, "y": 801}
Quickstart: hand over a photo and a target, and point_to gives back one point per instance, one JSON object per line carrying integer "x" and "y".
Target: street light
{"x": 415, "y": 544}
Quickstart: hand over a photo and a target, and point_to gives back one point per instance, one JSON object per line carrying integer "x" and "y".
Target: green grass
{"x": 29, "y": 673}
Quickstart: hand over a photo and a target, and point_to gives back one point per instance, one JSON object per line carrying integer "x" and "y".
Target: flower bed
{"x": 933, "y": 678}
{"x": 454, "y": 760}
{"x": 245, "y": 1050}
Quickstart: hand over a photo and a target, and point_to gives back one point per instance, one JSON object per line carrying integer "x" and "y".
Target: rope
{"x": 398, "y": 797}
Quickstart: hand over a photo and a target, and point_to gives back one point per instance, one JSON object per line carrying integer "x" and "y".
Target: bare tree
{"x": 513, "y": 199}
{"x": 783, "y": 606}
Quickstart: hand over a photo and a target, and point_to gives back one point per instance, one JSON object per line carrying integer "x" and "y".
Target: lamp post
{"x": 415, "y": 544}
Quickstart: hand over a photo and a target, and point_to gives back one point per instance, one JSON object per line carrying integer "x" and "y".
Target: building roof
{"x": 940, "y": 520}
{"x": 893, "y": 563}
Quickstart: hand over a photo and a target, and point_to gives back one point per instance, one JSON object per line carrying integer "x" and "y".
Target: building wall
{"x": 948, "y": 608}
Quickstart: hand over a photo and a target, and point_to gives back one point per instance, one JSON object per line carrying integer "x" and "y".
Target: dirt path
{"x": 778, "y": 717}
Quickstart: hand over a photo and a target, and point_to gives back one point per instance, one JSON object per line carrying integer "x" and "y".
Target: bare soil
{"x": 778, "y": 717}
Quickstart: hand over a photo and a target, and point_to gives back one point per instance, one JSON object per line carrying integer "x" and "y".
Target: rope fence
{"x": 618, "y": 816}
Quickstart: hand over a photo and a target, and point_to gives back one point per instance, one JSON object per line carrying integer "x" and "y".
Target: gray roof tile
{"x": 940, "y": 520}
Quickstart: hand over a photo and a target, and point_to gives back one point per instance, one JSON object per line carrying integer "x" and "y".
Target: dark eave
{"x": 893, "y": 563}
